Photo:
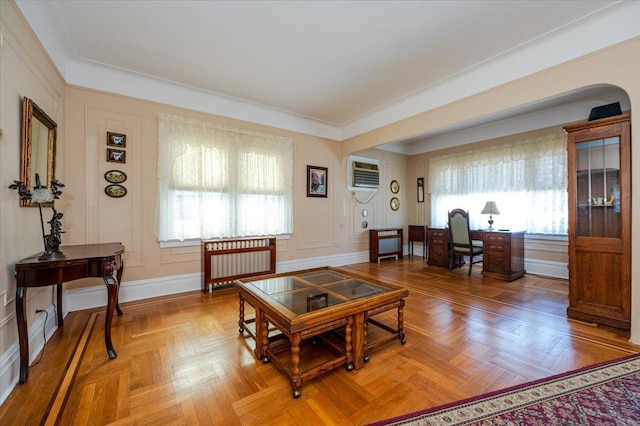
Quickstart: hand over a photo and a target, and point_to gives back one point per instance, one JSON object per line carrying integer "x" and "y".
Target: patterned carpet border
{"x": 535, "y": 402}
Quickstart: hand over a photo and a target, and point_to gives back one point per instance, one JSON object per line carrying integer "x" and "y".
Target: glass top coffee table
{"x": 317, "y": 305}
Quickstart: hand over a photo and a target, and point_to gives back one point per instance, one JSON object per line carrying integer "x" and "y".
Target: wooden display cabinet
{"x": 599, "y": 154}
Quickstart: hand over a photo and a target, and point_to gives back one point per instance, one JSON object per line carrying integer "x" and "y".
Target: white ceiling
{"x": 336, "y": 63}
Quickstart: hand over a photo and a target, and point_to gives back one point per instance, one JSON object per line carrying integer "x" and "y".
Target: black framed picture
{"x": 421, "y": 190}
{"x": 317, "y": 180}
{"x": 116, "y": 155}
{"x": 116, "y": 139}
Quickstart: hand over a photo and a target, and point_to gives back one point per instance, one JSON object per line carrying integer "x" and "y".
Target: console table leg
{"x": 59, "y": 302}
{"x": 119, "y": 278}
{"x": 23, "y": 338}
{"x": 112, "y": 300}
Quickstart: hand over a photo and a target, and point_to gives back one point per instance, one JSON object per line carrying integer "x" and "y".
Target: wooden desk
{"x": 418, "y": 233}
{"x": 81, "y": 261}
{"x": 503, "y": 252}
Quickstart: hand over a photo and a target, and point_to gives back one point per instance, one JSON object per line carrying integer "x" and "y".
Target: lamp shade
{"x": 490, "y": 208}
{"x": 41, "y": 195}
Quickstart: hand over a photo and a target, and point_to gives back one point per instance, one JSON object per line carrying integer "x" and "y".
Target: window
{"x": 216, "y": 181}
{"x": 527, "y": 180}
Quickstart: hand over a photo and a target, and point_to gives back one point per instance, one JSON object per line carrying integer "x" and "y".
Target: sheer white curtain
{"x": 526, "y": 179}
{"x": 217, "y": 181}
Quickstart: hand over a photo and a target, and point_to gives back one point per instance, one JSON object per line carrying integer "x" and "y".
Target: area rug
{"x": 602, "y": 394}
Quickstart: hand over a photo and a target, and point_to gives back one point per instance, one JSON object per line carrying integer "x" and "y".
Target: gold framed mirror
{"x": 38, "y": 148}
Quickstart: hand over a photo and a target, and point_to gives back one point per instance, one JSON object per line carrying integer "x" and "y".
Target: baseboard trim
{"x": 547, "y": 268}
{"x": 43, "y": 325}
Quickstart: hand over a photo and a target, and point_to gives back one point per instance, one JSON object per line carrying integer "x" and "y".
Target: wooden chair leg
{"x": 451, "y": 260}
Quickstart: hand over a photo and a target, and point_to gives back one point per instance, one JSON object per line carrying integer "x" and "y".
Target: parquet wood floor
{"x": 181, "y": 359}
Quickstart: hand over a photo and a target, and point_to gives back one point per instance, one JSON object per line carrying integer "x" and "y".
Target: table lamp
{"x": 490, "y": 208}
{"x": 40, "y": 195}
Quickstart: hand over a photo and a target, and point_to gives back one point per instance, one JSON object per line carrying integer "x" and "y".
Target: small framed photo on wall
{"x": 421, "y": 190}
{"x": 116, "y": 155}
{"x": 116, "y": 139}
{"x": 317, "y": 180}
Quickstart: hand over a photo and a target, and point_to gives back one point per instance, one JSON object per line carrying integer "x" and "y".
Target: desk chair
{"x": 460, "y": 238}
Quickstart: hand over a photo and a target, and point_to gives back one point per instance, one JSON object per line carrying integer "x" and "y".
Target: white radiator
{"x": 227, "y": 260}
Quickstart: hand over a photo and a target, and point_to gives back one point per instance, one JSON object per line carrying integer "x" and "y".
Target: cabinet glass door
{"x": 598, "y": 188}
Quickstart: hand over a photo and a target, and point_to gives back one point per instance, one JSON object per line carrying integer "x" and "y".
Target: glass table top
{"x": 310, "y": 291}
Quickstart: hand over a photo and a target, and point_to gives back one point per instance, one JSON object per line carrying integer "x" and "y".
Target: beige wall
{"x": 322, "y": 227}
{"x": 25, "y": 70}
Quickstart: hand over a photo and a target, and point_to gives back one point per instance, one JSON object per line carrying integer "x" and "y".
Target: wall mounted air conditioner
{"x": 363, "y": 174}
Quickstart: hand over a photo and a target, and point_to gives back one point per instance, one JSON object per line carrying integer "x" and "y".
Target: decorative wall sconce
{"x": 41, "y": 195}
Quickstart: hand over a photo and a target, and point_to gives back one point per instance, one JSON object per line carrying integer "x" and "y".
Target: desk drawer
{"x": 495, "y": 247}
{"x": 438, "y": 256}
{"x": 437, "y": 233}
{"x": 496, "y": 238}
{"x": 496, "y": 261}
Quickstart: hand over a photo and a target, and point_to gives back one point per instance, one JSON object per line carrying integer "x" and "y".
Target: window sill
{"x": 547, "y": 237}
{"x": 197, "y": 241}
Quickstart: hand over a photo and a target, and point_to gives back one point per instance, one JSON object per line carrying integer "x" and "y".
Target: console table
{"x": 418, "y": 233}
{"x": 80, "y": 261}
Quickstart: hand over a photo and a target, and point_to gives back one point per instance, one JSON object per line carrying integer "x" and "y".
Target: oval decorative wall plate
{"x": 115, "y": 176}
{"x": 394, "y": 203}
{"x": 395, "y": 186}
{"x": 115, "y": 191}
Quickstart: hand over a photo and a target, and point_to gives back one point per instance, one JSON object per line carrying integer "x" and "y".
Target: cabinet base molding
{"x": 590, "y": 317}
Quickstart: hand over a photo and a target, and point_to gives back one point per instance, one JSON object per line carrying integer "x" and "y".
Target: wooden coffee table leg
{"x": 401, "y": 336}
{"x": 262, "y": 327}
{"x": 241, "y": 315}
{"x": 295, "y": 365}
{"x": 359, "y": 341}
{"x": 348, "y": 347}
